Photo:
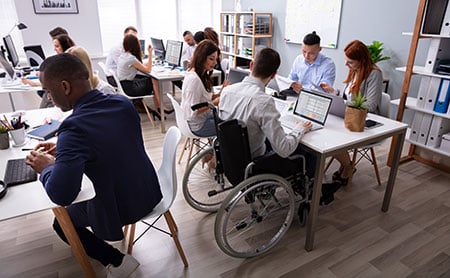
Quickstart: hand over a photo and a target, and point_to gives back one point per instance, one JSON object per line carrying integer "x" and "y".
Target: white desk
{"x": 335, "y": 138}
{"x": 161, "y": 74}
{"x": 31, "y": 197}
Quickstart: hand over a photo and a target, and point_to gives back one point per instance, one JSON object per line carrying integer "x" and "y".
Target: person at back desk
{"x": 311, "y": 67}
{"x": 102, "y": 138}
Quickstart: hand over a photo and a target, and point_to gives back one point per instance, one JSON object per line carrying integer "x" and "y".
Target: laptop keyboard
{"x": 290, "y": 120}
{"x": 17, "y": 172}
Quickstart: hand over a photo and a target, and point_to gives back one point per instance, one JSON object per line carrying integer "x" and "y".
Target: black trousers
{"x": 140, "y": 86}
{"x": 95, "y": 247}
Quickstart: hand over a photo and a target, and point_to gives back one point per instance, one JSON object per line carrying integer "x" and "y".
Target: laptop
{"x": 309, "y": 106}
{"x": 337, "y": 105}
{"x": 236, "y": 75}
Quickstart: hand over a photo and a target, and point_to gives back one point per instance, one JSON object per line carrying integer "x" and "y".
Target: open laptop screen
{"x": 313, "y": 107}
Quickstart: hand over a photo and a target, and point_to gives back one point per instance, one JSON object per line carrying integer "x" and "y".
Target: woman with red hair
{"x": 363, "y": 76}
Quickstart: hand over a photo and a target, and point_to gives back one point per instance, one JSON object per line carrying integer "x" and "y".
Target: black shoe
{"x": 166, "y": 111}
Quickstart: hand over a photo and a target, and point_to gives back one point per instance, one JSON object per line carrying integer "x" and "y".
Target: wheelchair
{"x": 255, "y": 199}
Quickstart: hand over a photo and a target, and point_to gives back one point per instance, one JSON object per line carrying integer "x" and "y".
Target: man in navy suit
{"x": 101, "y": 138}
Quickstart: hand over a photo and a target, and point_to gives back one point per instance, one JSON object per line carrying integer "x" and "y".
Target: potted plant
{"x": 375, "y": 50}
{"x": 355, "y": 113}
{"x": 4, "y": 138}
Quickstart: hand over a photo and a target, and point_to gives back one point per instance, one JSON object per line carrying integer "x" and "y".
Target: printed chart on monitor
{"x": 305, "y": 16}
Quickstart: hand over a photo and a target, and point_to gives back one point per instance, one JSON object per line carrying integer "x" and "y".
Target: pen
{"x": 27, "y": 149}
{"x": 47, "y": 151}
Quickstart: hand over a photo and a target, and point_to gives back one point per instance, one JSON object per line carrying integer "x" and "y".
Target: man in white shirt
{"x": 114, "y": 53}
{"x": 188, "y": 46}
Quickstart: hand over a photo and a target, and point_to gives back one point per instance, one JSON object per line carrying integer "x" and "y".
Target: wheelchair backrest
{"x": 234, "y": 149}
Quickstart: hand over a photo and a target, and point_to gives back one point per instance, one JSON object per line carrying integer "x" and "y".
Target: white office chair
{"x": 191, "y": 139}
{"x": 225, "y": 65}
{"x": 364, "y": 151}
{"x": 120, "y": 90}
{"x": 168, "y": 180}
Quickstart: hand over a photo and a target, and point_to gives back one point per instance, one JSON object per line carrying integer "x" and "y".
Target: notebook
{"x": 45, "y": 131}
{"x": 308, "y": 107}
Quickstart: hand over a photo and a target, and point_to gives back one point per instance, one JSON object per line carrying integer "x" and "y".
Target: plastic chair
{"x": 191, "y": 139}
{"x": 168, "y": 181}
{"x": 120, "y": 90}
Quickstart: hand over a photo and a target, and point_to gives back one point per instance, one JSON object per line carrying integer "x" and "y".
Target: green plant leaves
{"x": 375, "y": 50}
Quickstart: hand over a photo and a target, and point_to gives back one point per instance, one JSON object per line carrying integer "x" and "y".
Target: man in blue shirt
{"x": 312, "y": 68}
{"x": 102, "y": 139}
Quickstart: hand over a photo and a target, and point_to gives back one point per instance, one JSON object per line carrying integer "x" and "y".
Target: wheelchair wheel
{"x": 203, "y": 188}
{"x": 254, "y": 216}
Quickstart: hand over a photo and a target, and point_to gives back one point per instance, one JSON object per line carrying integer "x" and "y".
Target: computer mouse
{"x": 3, "y": 189}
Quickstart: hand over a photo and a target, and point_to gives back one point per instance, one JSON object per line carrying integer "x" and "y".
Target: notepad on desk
{"x": 45, "y": 131}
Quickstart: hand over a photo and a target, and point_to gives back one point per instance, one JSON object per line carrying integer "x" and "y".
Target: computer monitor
{"x": 158, "y": 48}
{"x": 237, "y": 75}
{"x": 12, "y": 53}
{"x": 7, "y": 66}
{"x": 35, "y": 55}
{"x": 142, "y": 43}
{"x": 173, "y": 53}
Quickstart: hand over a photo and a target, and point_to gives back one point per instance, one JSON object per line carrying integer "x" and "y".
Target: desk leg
{"x": 77, "y": 248}
{"x": 317, "y": 192}
{"x": 12, "y": 102}
{"x": 393, "y": 173}
{"x": 161, "y": 105}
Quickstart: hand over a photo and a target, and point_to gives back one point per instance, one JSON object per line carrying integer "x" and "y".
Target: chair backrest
{"x": 224, "y": 64}
{"x": 234, "y": 149}
{"x": 167, "y": 174}
{"x": 385, "y": 104}
{"x": 119, "y": 86}
{"x": 103, "y": 68}
{"x": 179, "y": 117}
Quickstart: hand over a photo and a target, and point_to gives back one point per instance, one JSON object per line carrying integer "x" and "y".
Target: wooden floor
{"x": 353, "y": 239}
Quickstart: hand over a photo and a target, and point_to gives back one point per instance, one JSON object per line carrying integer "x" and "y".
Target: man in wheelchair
{"x": 248, "y": 103}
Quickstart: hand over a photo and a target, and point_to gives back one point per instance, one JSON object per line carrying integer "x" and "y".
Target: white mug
{"x": 18, "y": 136}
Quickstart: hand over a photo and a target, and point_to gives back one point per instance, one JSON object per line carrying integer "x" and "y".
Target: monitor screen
{"x": 158, "y": 48}
{"x": 7, "y": 66}
{"x": 12, "y": 53}
{"x": 142, "y": 43}
{"x": 173, "y": 53}
{"x": 35, "y": 55}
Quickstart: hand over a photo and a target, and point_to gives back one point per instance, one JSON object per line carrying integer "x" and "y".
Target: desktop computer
{"x": 158, "y": 49}
{"x": 173, "y": 53}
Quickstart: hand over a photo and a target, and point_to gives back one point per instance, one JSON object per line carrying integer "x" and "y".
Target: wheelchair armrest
{"x": 201, "y": 105}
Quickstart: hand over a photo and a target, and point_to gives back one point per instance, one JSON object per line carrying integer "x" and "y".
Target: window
{"x": 8, "y": 18}
{"x": 166, "y": 19}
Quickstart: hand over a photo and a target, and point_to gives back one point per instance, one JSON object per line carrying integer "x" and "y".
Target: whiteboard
{"x": 305, "y": 16}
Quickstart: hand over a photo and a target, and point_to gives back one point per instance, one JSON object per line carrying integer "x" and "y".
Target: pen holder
{"x": 18, "y": 136}
{"x": 4, "y": 141}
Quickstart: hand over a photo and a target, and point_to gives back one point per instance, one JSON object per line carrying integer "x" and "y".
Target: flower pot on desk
{"x": 355, "y": 119}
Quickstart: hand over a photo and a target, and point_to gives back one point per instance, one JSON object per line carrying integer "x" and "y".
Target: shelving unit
{"x": 437, "y": 51}
{"x": 242, "y": 33}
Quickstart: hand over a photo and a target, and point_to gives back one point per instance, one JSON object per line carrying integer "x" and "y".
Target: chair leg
{"x": 148, "y": 113}
{"x": 353, "y": 162}
{"x": 125, "y": 231}
{"x": 173, "y": 231}
{"x": 131, "y": 239}
{"x": 375, "y": 166}
{"x": 328, "y": 165}
{"x": 183, "y": 149}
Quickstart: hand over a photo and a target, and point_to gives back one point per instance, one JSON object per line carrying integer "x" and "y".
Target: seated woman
{"x": 95, "y": 81}
{"x": 198, "y": 88}
{"x": 128, "y": 67}
{"x": 363, "y": 76}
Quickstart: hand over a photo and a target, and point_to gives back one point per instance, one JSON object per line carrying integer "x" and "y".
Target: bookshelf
{"x": 242, "y": 34}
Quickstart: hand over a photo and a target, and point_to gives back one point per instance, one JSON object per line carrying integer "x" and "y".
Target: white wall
{"x": 83, "y": 28}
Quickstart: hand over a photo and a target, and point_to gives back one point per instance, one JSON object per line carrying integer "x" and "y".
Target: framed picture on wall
{"x": 55, "y": 6}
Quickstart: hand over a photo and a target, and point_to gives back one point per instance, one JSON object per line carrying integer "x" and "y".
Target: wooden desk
{"x": 31, "y": 197}
{"x": 335, "y": 138}
{"x": 161, "y": 75}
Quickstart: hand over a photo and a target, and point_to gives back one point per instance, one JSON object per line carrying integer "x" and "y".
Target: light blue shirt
{"x": 322, "y": 70}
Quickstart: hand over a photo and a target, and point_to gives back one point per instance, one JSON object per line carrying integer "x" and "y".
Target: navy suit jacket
{"x": 102, "y": 138}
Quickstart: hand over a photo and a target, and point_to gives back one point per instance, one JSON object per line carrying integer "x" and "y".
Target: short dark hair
{"x": 132, "y": 28}
{"x": 187, "y": 33}
{"x": 311, "y": 39}
{"x": 64, "y": 66}
{"x": 199, "y": 36}
{"x": 266, "y": 62}
{"x": 57, "y": 31}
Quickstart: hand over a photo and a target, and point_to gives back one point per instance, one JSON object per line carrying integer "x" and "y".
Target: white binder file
{"x": 424, "y": 129}
{"x": 432, "y": 93}
{"x": 439, "y": 126}
{"x": 423, "y": 91}
{"x": 415, "y": 126}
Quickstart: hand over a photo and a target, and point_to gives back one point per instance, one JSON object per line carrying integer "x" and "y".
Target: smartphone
{"x": 370, "y": 123}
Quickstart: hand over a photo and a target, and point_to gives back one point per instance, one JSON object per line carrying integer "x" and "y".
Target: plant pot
{"x": 355, "y": 119}
{"x": 4, "y": 141}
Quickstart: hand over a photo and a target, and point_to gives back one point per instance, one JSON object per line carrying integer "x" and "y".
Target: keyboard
{"x": 17, "y": 172}
{"x": 290, "y": 121}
